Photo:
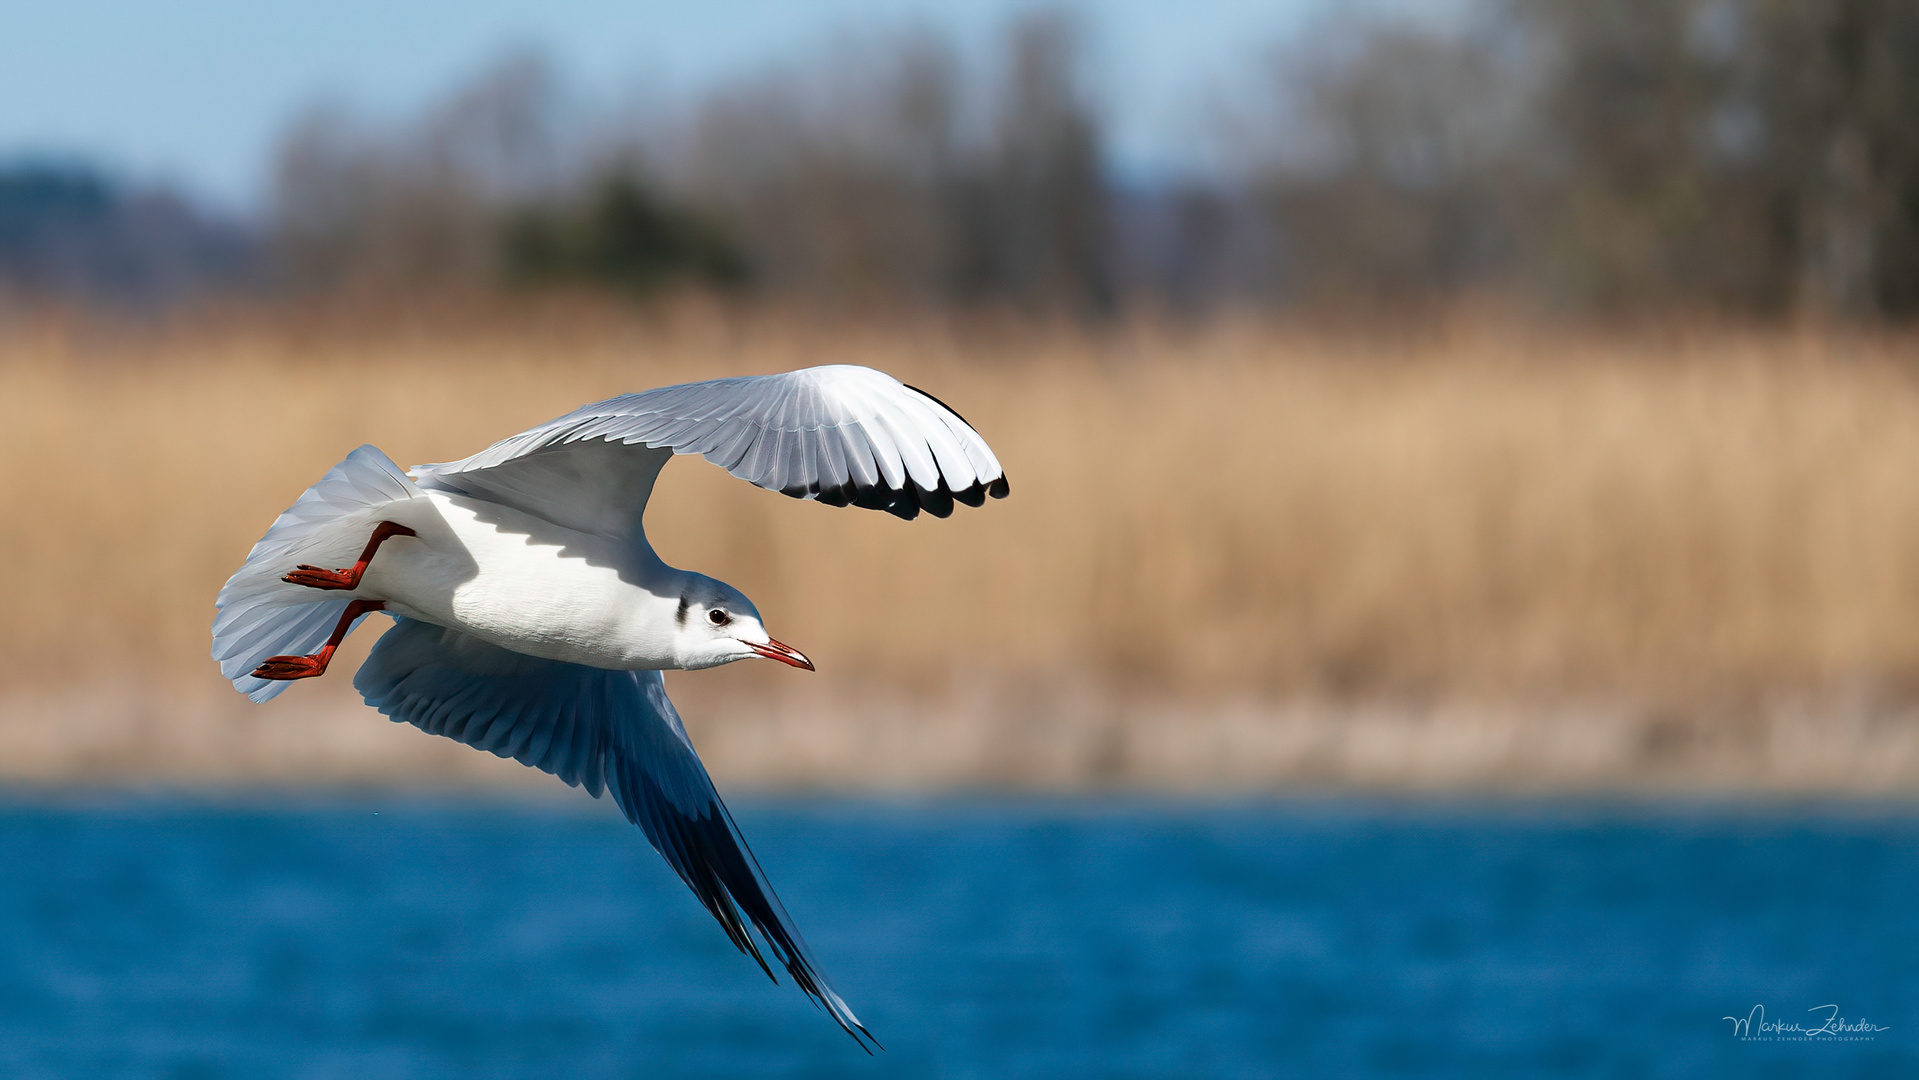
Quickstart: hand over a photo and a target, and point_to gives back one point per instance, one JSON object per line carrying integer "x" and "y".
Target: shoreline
{"x": 1842, "y": 746}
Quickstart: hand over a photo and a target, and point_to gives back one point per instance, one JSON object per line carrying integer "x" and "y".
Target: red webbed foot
{"x": 318, "y": 577}
{"x": 284, "y": 668}
{"x": 287, "y": 668}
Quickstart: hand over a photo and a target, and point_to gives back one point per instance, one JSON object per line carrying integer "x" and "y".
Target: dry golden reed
{"x": 1236, "y": 511}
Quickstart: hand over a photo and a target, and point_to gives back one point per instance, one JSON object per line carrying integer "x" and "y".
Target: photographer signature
{"x": 1754, "y": 1025}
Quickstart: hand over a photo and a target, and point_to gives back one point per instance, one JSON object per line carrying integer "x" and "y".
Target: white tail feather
{"x": 260, "y": 615}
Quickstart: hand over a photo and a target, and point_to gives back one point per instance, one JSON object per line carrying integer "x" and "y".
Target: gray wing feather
{"x": 842, "y": 434}
{"x": 611, "y": 731}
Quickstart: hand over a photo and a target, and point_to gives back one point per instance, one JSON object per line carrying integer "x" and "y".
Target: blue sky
{"x": 194, "y": 92}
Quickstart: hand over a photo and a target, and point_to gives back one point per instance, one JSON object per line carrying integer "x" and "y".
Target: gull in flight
{"x": 532, "y": 619}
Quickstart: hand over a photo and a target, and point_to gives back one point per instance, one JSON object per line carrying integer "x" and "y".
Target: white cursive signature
{"x": 1754, "y": 1025}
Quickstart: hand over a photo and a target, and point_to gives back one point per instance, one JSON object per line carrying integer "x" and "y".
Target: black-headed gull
{"x": 533, "y": 618}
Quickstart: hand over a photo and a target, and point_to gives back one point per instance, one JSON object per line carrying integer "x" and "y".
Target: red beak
{"x": 785, "y": 654}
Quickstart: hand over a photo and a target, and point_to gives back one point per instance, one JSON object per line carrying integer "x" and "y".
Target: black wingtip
{"x": 906, "y": 504}
{"x": 747, "y": 891}
{"x": 937, "y": 501}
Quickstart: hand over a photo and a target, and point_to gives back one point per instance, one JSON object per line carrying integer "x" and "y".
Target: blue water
{"x": 379, "y": 939}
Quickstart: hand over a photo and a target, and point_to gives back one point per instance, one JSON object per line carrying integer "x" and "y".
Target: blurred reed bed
{"x": 1234, "y": 512}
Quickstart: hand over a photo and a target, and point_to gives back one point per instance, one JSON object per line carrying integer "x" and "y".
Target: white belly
{"x": 519, "y": 582}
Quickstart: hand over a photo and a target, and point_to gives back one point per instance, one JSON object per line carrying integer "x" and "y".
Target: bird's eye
{"x": 718, "y": 617}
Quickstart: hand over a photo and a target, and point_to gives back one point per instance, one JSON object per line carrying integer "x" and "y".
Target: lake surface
{"x": 1023, "y": 938}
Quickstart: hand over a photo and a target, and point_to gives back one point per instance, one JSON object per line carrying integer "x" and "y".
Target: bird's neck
{"x": 659, "y": 611}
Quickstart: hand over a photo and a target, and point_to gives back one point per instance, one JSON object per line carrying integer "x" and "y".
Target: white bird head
{"x": 717, "y": 625}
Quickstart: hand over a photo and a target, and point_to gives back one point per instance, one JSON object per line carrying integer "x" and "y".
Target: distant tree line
{"x": 69, "y": 231}
{"x": 1758, "y": 157}
{"x": 1755, "y": 158}
{"x": 881, "y": 175}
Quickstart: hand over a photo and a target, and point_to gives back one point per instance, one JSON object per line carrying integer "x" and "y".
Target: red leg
{"x": 307, "y": 667}
{"x": 316, "y": 577}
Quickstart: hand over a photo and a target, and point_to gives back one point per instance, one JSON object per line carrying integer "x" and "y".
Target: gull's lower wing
{"x": 601, "y": 730}
{"x": 844, "y": 435}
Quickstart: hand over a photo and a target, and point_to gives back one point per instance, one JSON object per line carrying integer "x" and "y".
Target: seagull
{"x": 533, "y": 620}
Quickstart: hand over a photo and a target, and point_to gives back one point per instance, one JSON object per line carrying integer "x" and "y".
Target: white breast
{"x": 526, "y": 584}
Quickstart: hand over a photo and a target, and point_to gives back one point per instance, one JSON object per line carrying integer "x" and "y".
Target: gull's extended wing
{"x": 601, "y": 730}
{"x": 844, "y": 435}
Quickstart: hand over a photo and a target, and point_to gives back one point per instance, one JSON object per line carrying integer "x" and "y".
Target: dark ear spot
{"x": 679, "y": 616}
